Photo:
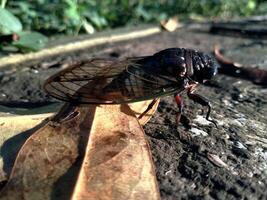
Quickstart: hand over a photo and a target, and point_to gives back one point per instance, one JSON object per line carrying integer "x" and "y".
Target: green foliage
{"x": 11, "y": 34}
{"x": 8, "y": 23}
{"x": 72, "y": 16}
{"x": 30, "y": 41}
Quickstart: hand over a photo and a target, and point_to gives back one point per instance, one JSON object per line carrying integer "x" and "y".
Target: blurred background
{"x": 34, "y": 20}
{"x": 76, "y": 16}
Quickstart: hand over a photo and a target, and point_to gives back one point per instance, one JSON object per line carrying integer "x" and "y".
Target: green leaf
{"x": 96, "y": 19}
{"x": 9, "y": 23}
{"x": 30, "y": 41}
{"x": 262, "y": 9}
{"x": 142, "y": 12}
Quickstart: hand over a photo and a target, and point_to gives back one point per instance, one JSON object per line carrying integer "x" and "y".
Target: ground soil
{"x": 183, "y": 165}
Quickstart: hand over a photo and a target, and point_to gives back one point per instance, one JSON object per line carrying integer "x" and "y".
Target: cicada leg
{"x": 202, "y": 101}
{"x": 180, "y": 118}
{"x": 180, "y": 104}
{"x": 150, "y": 106}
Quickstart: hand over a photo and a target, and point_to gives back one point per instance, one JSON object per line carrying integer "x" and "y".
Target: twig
{"x": 257, "y": 76}
{"x": 75, "y": 46}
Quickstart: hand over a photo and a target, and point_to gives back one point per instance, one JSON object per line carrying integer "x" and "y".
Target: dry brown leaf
{"x": 47, "y": 155}
{"x": 14, "y": 130}
{"x": 139, "y": 107}
{"x": 45, "y": 166}
{"x": 117, "y": 163}
{"x": 14, "y": 124}
{"x": 170, "y": 24}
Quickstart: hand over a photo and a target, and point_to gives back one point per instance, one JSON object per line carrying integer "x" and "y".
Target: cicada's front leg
{"x": 200, "y": 100}
{"x": 180, "y": 118}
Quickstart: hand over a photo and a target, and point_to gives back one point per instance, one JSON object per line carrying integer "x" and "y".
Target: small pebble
{"x": 239, "y": 145}
{"x": 2, "y": 95}
{"x": 240, "y": 150}
{"x": 35, "y": 71}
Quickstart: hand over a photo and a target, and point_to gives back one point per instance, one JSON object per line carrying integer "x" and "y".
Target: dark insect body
{"x": 110, "y": 81}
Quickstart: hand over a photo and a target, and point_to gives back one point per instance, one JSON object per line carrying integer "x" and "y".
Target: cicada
{"x": 120, "y": 81}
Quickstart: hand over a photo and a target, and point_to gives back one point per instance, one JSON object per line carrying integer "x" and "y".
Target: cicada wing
{"x": 107, "y": 81}
{"x": 86, "y": 78}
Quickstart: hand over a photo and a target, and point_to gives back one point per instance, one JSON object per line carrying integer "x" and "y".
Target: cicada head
{"x": 204, "y": 67}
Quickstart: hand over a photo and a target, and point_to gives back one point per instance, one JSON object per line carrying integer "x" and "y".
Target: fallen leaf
{"x": 43, "y": 159}
{"x": 117, "y": 163}
{"x": 49, "y": 163}
{"x": 139, "y": 107}
{"x": 170, "y": 24}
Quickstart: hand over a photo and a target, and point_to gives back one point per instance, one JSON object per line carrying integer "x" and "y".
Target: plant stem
{"x": 3, "y": 3}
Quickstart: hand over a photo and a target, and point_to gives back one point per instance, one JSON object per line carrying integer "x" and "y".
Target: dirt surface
{"x": 183, "y": 158}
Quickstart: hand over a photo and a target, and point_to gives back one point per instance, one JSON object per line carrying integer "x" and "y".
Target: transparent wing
{"x": 108, "y": 81}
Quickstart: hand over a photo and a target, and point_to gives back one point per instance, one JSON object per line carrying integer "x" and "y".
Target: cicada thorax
{"x": 172, "y": 61}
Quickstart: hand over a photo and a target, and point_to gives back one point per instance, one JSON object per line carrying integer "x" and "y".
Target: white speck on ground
{"x": 239, "y": 145}
{"x": 168, "y": 172}
{"x": 201, "y": 120}
{"x": 258, "y": 126}
{"x": 261, "y": 154}
{"x": 238, "y": 122}
{"x": 242, "y": 121}
{"x": 198, "y": 132}
{"x": 227, "y": 103}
